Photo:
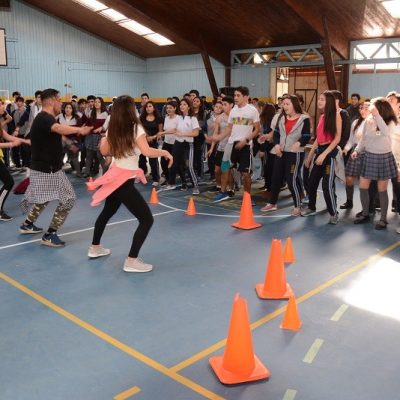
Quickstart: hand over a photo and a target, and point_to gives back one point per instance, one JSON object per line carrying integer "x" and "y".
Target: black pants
{"x": 211, "y": 161}
{"x": 164, "y": 162}
{"x": 269, "y": 160}
{"x": 129, "y": 196}
{"x": 326, "y": 171}
{"x": 8, "y": 183}
{"x": 182, "y": 151}
{"x": 288, "y": 166}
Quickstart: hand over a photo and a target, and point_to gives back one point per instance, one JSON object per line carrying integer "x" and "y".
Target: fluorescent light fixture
{"x": 135, "y": 27}
{"x": 158, "y": 39}
{"x": 392, "y": 7}
{"x": 94, "y": 5}
{"x": 113, "y": 15}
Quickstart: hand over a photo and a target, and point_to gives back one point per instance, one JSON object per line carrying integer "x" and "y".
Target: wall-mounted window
{"x": 373, "y": 56}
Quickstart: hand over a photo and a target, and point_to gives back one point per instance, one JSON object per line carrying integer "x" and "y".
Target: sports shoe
{"x": 284, "y": 187}
{"x": 155, "y": 184}
{"x": 362, "y": 219}
{"x": 306, "y": 200}
{"x": 136, "y": 265}
{"x": 170, "y": 187}
{"x": 29, "y": 229}
{"x": 183, "y": 187}
{"x": 98, "y": 251}
{"x": 220, "y": 197}
{"x": 52, "y": 240}
{"x": 4, "y": 216}
{"x": 162, "y": 181}
{"x": 307, "y": 212}
{"x": 196, "y": 191}
{"x": 269, "y": 207}
{"x": 333, "y": 219}
{"x": 231, "y": 193}
{"x": 380, "y": 225}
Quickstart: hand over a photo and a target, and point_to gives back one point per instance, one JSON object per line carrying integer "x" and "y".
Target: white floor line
{"x": 225, "y": 215}
{"x": 83, "y": 230}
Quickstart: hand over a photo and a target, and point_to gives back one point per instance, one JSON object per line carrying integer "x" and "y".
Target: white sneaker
{"x": 98, "y": 251}
{"x": 136, "y": 265}
{"x": 155, "y": 184}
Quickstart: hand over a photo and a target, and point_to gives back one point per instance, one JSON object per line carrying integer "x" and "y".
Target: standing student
{"x": 168, "y": 133}
{"x": 325, "y": 148}
{"x": 290, "y": 136}
{"x": 354, "y": 108}
{"x": 47, "y": 180}
{"x": 217, "y": 111}
{"x": 125, "y": 140}
{"x": 353, "y": 166}
{"x": 152, "y": 124}
{"x": 243, "y": 126}
{"x": 379, "y": 163}
{"x": 186, "y": 130}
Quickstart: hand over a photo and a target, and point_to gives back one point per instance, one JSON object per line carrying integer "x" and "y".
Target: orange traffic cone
{"x": 239, "y": 363}
{"x": 191, "y": 210}
{"x": 274, "y": 286}
{"x": 288, "y": 253}
{"x": 246, "y": 220}
{"x": 291, "y": 320}
{"x": 153, "y": 197}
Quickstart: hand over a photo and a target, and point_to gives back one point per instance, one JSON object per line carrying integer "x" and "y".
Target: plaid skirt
{"x": 380, "y": 167}
{"x": 353, "y": 167}
{"x": 92, "y": 141}
{"x": 44, "y": 187}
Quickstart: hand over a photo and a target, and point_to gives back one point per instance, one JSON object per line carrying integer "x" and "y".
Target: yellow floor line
{"x": 219, "y": 345}
{"x": 313, "y": 351}
{"x": 127, "y": 394}
{"x": 339, "y": 312}
{"x": 114, "y": 342}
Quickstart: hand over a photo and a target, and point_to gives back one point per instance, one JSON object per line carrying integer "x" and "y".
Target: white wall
{"x": 256, "y": 78}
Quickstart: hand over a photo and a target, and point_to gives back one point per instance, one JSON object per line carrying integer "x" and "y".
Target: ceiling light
{"x": 94, "y": 5}
{"x": 392, "y": 7}
{"x": 158, "y": 39}
{"x": 113, "y": 15}
{"x": 135, "y": 27}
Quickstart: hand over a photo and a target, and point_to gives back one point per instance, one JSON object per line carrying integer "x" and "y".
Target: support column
{"x": 328, "y": 58}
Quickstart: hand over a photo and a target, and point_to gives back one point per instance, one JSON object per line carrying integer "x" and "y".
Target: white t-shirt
{"x": 186, "y": 124}
{"x": 169, "y": 125}
{"x": 132, "y": 161}
{"x": 243, "y": 120}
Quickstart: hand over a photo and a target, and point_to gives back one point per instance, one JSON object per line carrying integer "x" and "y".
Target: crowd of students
{"x": 228, "y": 136}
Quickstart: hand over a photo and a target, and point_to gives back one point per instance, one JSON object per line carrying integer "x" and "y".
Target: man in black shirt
{"x": 47, "y": 180}
{"x": 354, "y": 108}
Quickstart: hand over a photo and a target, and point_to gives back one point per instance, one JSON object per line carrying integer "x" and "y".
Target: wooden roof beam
{"x": 314, "y": 20}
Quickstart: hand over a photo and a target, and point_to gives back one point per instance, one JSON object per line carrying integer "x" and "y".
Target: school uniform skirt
{"x": 380, "y": 167}
{"x": 353, "y": 167}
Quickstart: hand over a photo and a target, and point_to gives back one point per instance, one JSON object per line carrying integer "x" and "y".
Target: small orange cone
{"x": 153, "y": 197}
{"x": 274, "y": 286}
{"x": 239, "y": 363}
{"x": 288, "y": 253}
{"x": 191, "y": 210}
{"x": 291, "y": 320}
{"x": 246, "y": 220}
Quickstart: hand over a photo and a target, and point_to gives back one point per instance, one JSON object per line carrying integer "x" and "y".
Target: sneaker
{"x": 380, "y": 225}
{"x": 333, "y": 219}
{"x": 98, "y": 251}
{"x": 284, "y": 187}
{"x": 231, "y": 193}
{"x": 136, "y": 265}
{"x": 348, "y": 205}
{"x": 306, "y": 200}
{"x": 52, "y": 240}
{"x": 29, "y": 229}
{"x": 308, "y": 212}
{"x": 362, "y": 219}
{"x": 162, "y": 181}
{"x": 269, "y": 207}
{"x": 398, "y": 230}
{"x": 196, "y": 191}
{"x": 170, "y": 187}
{"x": 220, "y": 197}
{"x": 155, "y": 184}
{"x": 4, "y": 216}
{"x": 183, "y": 187}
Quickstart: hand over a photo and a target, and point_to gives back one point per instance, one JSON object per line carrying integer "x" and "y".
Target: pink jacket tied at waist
{"x": 111, "y": 181}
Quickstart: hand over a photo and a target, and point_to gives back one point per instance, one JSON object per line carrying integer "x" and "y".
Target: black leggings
{"x": 8, "y": 183}
{"x": 129, "y": 196}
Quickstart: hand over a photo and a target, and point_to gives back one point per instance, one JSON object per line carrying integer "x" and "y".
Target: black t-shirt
{"x": 46, "y": 146}
{"x": 345, "y": 128}
{"x": 151, "y": 127}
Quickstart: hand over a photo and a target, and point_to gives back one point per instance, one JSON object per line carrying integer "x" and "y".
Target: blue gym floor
{"x": 78, "y": 329}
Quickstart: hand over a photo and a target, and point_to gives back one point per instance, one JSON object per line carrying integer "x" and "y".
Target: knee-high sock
{"x": 364, "y": 197}
{"x": 349, "y": 193}
{"x": 384, "y": 200}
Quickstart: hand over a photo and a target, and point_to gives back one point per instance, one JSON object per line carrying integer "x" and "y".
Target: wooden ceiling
{"x": 219, "y": 26}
